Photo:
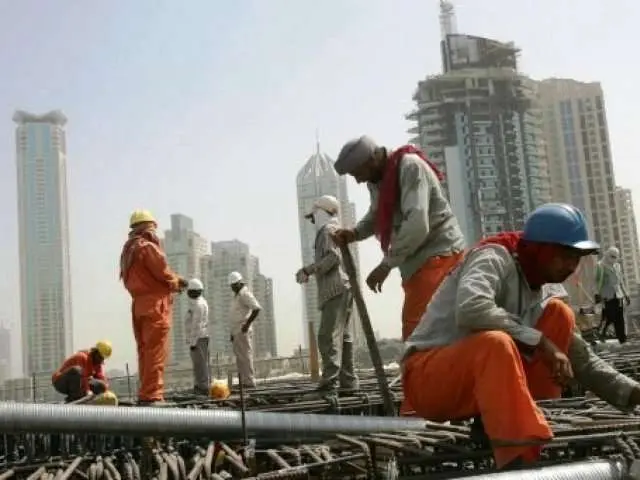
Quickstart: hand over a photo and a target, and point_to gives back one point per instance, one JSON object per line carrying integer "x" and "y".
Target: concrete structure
{"x": 5, "y": 353}
{"x": 579, "y": 152}
{"x": 45, "y": 284}
{"x": 184, "y": 249}
{"x": 479, "y": 122}
{"x": 226, "y": 257}
{"x": 629, "y": 246}
{"x": 317, "y": 177}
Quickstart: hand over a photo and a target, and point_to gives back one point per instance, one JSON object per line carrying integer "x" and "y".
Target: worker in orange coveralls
{"x": 83, "y": 373}
{"x": 412, "y": 218}
{"x": 151, "y": 283}
{"x": 489, "y": 344}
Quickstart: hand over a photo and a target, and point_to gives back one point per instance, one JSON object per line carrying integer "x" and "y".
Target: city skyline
{"x": 45, "y": 285}
{"x": 181, "y": 123}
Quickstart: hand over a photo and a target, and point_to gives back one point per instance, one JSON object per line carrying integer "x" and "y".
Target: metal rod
{"x": 385, "y": 391}
{"x": 225, "y": 424}
{"x": 587, "y": 470}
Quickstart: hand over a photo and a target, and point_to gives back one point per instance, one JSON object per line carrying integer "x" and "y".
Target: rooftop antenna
{"x": 448, "y": 22}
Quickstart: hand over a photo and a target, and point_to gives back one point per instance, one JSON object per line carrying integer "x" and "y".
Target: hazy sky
{"x": 209, "y": 108}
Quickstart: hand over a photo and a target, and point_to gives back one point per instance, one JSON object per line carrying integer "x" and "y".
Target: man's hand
{"x": 597, "y": 298}
{"x": 556, "y": 360}
{"x": 182, "y": 284}
{"x": 245, "y": 328}
{"x": 301, "y": 276}
{"x": 344, "y": 236}
{"x": 627, "y": 300}
{"x": 231, "y": 337}
{"x": 377, "y": 277}
{"x": 192, "y": 348}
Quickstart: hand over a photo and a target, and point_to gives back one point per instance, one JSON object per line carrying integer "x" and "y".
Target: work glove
{"x": 231, "y": 338}
{"x": 597, "y": 298}
{"x": 192, "y": 348}
{"x": 627, "y": 300}
{"x": 301, "y": 276}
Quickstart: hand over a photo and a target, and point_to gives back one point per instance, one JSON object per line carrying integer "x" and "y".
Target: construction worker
{"x": 83, "y": 373}
{"x": 244, "y": 310}
{"x": 151, "y": 283}
{"x": 197, "y": 335}
{"x": 612, "y": 291}
{"x": 335, "y": 300}
{"x": 411, "y": 217}
{"x": 489, "y": 328}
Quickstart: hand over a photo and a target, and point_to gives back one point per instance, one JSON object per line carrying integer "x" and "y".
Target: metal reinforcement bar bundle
{"x": 591, "y": 440}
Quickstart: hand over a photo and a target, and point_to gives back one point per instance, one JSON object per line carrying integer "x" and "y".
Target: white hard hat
{"x": 328, "y": 203}
{"x": 234, "y": 277}
{"x": 613, "y": 252}
{"x": 195, "y": 284}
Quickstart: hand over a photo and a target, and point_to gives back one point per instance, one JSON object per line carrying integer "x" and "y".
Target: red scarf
{"x": 388, "y": 195}
{"x": 137, "y": 236}
{"x": 528, "y": 254}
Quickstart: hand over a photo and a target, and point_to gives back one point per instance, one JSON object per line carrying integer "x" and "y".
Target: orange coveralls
{"x": 150, "y": 282}
{"x": 492, "y": 380}
{"x": 82, "y": 359}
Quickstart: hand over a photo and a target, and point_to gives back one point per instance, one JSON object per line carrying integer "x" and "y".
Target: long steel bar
{"x": 367, "y": 329}
{"x": 588, "y": 470}
{"x": 225, "y": 424}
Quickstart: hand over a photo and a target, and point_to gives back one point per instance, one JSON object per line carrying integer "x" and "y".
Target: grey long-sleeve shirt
{"x": 423, "y": 223}
{"x": 331, "y": 278}
{"x": 488, "y": 292}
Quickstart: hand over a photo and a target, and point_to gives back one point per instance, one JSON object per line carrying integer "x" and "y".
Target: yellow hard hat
{"x": 140, "y": 216}
{"x": 106, "y": 398}
{"x": 104, "y": 348}
{"x": 219, "y": 390}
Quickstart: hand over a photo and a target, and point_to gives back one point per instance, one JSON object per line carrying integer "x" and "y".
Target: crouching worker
{"x": 83, "y": 373}
{"x": 501, "y": 345}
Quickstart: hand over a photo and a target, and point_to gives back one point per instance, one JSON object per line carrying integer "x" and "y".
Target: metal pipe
{"x": 225, "y": 424}
{"x": 367, "y": 329}
{"x": 587, "y": 470}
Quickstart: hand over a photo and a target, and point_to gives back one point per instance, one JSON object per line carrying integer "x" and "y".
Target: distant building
{"x": 226, "y": 257}
{"x": 43, "y": 224}
{"x": 5, "y": 354}
{"x": 318, "y": 177}
{"x": 478, "y": 121}
{"x": 184, "y": 249}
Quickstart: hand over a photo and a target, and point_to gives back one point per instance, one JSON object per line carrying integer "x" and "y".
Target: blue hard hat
{"x": 558, "y": 223}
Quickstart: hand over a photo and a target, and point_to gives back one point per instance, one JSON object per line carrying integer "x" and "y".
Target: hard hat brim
{"x": 586, "y": 245}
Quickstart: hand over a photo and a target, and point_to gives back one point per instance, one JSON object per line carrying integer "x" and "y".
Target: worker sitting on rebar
{"x": 83, "y": 373}
{"x": 335, "y": 300}
{"x": 489, "y": 345}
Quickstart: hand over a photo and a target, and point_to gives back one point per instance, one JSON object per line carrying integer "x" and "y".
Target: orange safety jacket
{"x": 90, "y": 370}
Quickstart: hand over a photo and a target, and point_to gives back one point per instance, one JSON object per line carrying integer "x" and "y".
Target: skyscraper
{"x": 45, "y": 284}
{"x": 318, "y": 177}
{"x": 479, "y": 122}
{"x": 5, "y": 353}
{"x": 629, "y": 246}
{"x": 184, "y": 249}
{"x": 226, "y": 257}
{"x": 579, "y": 153}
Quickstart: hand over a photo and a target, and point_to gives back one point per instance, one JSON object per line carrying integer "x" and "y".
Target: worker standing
{"x": 612, "y": 291}
{"x": 83, "y": 373}
{"x": 151, "y": 283}
{"x": 244, "y": 310}
{"x": 489, "y": 328}
{"x": 197, "y": 335}
{"x": 411, "y": 217}
{"x": 335, "y": 300}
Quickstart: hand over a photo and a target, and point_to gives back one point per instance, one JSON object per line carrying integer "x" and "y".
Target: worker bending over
{"x": 335, "y": 300}
{"x": 612, "y": 291}
{"x": 411, "y": 217}
{"x": 151, "y": 283}
{"x": 489, "y": 345}
{"x": 197, "y": 335}
{"x": 83, "y": 373}
{"x": 244, "y": 310}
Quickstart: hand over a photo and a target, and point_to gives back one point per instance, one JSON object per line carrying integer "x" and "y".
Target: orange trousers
{"x": 151, "y": 327}
{"x": 418, "y": 290}
{"x": 484, "y": 374}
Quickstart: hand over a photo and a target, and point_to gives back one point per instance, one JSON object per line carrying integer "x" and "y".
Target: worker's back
{"x": 148, "y": 274}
